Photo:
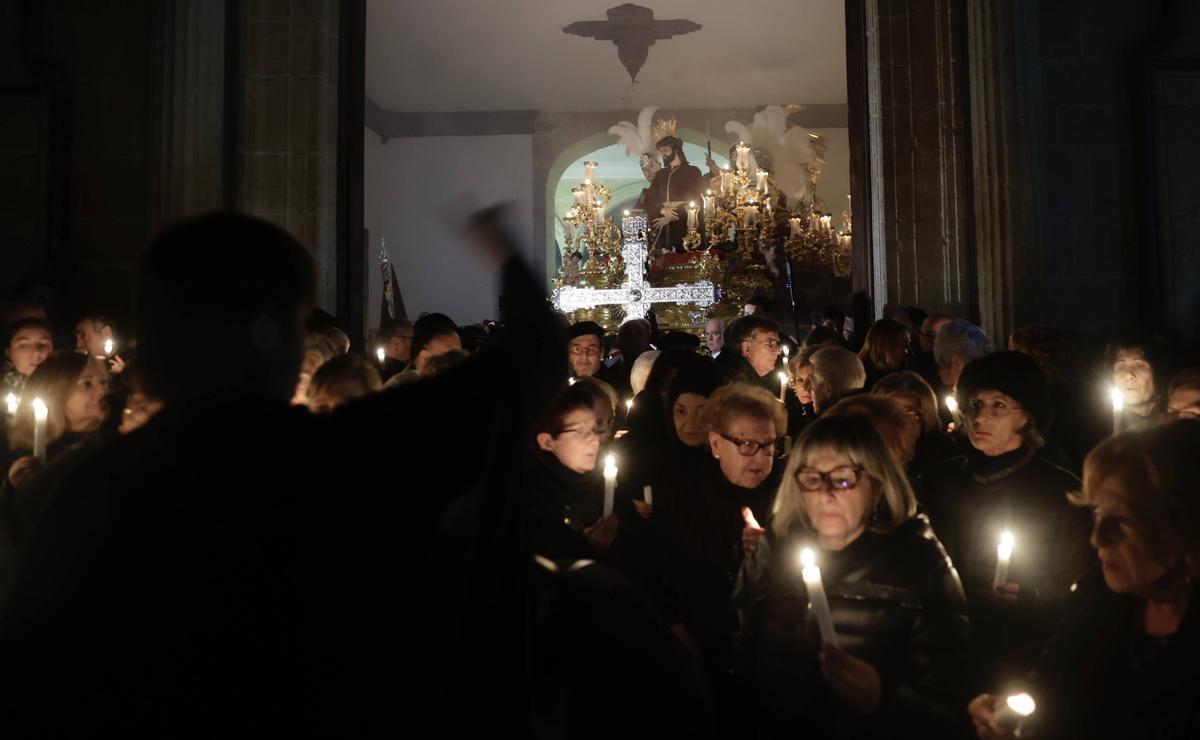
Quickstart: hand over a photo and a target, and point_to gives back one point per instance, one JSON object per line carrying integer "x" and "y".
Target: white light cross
{"x": 635, "y": 294}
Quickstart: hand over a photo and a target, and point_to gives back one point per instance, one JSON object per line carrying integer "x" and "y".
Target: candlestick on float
{"x": 648, "y": 495}
{"x": 1004, "y": 553}
{"x": 709, "y": 205}
{"x": 692, "y": 216}
{"x": 795, "y": 225}
{"x": 40, "y": 412}
{"x": 1012, "y": 715}
{"x": 761, "y": 185}
{"x": 1118, "y": 406}
{"x": 589, "y": 170}
{"x": 610, "y": 484}
{"x": 743, "y": 156}
{"x": 816, "y": 596}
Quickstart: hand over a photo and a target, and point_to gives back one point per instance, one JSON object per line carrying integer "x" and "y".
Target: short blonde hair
{"x": 802, "y": 359}
{"x": 741, "y": 399}
{"x": 854, "y": 437}
{"x": 1155, "y": 468}
{"x": 52, "y": 381}
{"x": 906, "y": 381}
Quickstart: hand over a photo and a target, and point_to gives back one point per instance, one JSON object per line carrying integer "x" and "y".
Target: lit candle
{"x": 628, "y": 405}
{"x": 1003, "y": 554}
{"x": 827, "y": 223}
{"x": 589, "y": 191}
{"x": 380, "y": 354}
{"x": 610, "y": 483}
{"x": 786, "y": 352}
{"x": 794, "y": 223}
{"x": 570, "y": 381}
{"x": 40, "y": 412}
{"x": 648, "y": 495}
{"x": 1118, "y": 405}
{"x": 693, "y": 216}
{"x": 952, "y": 404}
{"x": 816, "y": 596}
{"x": 709, "y": 204}
{"x": 589, "y": 170}
{"x": 580, "y": 196}
{"x": 782, "y": 385}
{"x": 762, "y": 181}
{"x": 743, "y": 156}
{"x": 108, "y": 347}
{"x": 726, "y": 182}
{"x": 1015, "y": 711}
{"x": 12, "y": 401}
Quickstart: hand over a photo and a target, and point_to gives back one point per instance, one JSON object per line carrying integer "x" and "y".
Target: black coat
{"x": 896, "y": 603}
{"x": 241, "y": 563}
{"x": 1103, "y": 677}
{"x": 702, "y": 534}
{"x": 971, "y": 499}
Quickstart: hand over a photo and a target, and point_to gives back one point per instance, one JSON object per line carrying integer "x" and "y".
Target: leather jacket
{"x": 896, "y": 603}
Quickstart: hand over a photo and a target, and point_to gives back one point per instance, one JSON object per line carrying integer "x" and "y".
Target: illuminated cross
{"x": 635, "y": 294}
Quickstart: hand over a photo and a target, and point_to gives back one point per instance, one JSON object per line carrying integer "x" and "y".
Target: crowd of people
{"x": 559, "y": 531}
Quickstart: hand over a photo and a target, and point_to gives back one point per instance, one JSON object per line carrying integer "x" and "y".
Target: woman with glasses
{"x": 902, "y": 637}
{"x": 1123, "y": 662}
{"x": 565, "y": 492}
{"x": 1005, "y": 484}
{"x": 716, "y": 522}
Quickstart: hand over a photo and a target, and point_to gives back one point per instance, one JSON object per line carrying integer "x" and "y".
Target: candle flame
{"x": 108, "y": 346}
{"x": 1022, "y": 704}
{"x": 380, "y": 354}
{"x": 952, "y": 404}
{"x": 807, "y": 558}
{"x": 786, "y": 351}
{"x": 40, "y": 412}
{"x": 1118, "y": 398}
{"x": 1005, "y": 549}
{"x": 628, "y": 403}
{"x": 11, "y": 400}
{"x": 627, "y": 212}
{"x": 782, "y": 377}
{"x": 610, "y": 462}
{"x": 570, "y": 381}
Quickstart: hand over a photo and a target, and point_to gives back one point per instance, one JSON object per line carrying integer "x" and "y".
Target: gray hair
{"x": 641, "y": 370}
{"x": 839, "y": 368}
{"x": 960, "y": 338}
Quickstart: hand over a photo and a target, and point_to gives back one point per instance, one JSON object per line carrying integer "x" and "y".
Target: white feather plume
{"x": 790, "y": 148}
{"x": 636, "y": 138}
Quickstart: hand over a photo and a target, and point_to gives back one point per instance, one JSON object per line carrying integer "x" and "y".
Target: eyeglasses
{"x": 842, "y": 478}
{"x": 584, "y": 351}
{"x": 997, "y": 409}
{"x": 771, "y": 344}
{"x": 584, "y": 434}
{"x": 750, "y": 447}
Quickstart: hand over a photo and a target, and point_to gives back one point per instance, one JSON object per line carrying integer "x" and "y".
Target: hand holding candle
{"x": 1011, "y": 715}
{"x": 610, "y": 484}
{"x": 816, "y": 596}
{"x": 1004, "y": 553}
{"x": 752, "y": 532}
{"x": 40, "y": 412}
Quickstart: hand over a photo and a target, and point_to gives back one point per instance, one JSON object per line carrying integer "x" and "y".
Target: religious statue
{"x": 675, "y": 186}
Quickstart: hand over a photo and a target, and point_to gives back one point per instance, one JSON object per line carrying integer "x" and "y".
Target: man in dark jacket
{"x": 211, "y": 571}
{"x": 752, "y": 354}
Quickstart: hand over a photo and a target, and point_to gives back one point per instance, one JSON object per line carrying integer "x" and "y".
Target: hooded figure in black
{"x": 995, "y": 488}
{"x": 677, "y": 182}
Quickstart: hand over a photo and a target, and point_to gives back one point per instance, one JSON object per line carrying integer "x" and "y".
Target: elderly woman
{"x": 1139, "y": 371}
{"x": 800, "y": 408}
{"x": 897, "y": 606}
{"x": 732, "y": 489}
{"x": 1005, "y": 484}
{"x": 836, "y": 373}
{"x": 1123, "y": 663}
{"x": 884, "y": 350}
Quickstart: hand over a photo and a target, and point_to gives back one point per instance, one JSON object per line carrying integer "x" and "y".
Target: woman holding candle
{"x": 1004, "y": 482}
{"x": 72, "y": 387}
{"x": 1139, "y": 373}
{"x": 713, "y": 522}
{"x": 896, "y": 606}
{"x": 1123, "y": 662}
{"x": 29, "y": 342}
{"x": 566, "y": 495}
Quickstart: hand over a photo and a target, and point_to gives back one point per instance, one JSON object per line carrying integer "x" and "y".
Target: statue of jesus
{"x": 665, "y": 201}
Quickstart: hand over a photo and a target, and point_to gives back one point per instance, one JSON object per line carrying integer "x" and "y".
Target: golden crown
{"x": 662, "y": 128}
